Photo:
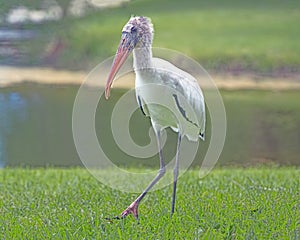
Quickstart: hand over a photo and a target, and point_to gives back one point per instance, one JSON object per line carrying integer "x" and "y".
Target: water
{"x": 36, "y": 128}
{"x": 13, "y": 110}
{"x": 14, "y": 35}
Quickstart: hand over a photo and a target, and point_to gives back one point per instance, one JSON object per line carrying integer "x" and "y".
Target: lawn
{"x": 232, "y": 36}
{"x": 236, "y": 35}
{"x": 227, "y": 204}
{"x": 259, "y": 36}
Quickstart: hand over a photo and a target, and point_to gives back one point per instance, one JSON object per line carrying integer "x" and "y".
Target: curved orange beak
{"x": 124, "y": 49}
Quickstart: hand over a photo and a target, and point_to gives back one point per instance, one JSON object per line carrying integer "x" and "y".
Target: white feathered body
{"x": 170, "y": 97}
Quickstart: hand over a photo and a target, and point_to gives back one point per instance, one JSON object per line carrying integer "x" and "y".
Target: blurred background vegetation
{"x": 256, "y": 38}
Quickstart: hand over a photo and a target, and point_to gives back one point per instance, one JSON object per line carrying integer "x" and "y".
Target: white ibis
{"x": 137, "y": 36}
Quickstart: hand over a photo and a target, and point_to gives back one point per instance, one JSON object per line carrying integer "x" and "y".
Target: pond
{"x": 36, "y": 128}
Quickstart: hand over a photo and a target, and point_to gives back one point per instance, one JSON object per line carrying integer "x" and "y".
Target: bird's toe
{"x": 132, "y": 209}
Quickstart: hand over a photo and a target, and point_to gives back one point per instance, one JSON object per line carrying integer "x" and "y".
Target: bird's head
{"x": 137, "y": 33}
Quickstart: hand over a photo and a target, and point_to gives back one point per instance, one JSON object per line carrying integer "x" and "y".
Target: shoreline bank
{"x": 10, "y": 76}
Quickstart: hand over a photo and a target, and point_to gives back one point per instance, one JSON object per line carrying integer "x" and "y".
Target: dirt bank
{"x": 13, "y": 75}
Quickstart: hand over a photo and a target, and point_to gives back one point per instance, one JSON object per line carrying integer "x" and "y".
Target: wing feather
{"x": 187, "y": 86}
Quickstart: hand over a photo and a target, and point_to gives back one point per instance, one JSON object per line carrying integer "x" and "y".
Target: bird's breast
{"x": 154, "y": 98}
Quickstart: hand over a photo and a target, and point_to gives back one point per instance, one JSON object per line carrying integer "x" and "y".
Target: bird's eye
{"x": 133, "y": 29}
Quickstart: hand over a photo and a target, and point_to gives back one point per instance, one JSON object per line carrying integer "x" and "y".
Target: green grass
{"x": 261, "y": 36}
{"x": 227, "y": 204}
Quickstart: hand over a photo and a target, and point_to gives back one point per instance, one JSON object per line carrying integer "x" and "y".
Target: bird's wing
{"x": 188, "y": 87}
{"x": 142, "y": 106}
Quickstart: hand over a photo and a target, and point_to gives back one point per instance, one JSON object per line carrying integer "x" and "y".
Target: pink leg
{"x": 133, "y": 207}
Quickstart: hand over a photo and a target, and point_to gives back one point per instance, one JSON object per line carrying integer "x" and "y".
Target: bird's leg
{"x": 133, "y": 207}
{"x": 176, "y": 170}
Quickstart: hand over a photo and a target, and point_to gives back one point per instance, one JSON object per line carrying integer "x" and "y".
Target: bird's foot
{"x": 132, "y": 209}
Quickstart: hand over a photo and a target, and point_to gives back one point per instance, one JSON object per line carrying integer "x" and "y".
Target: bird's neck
{"x": 142, "y": 58}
